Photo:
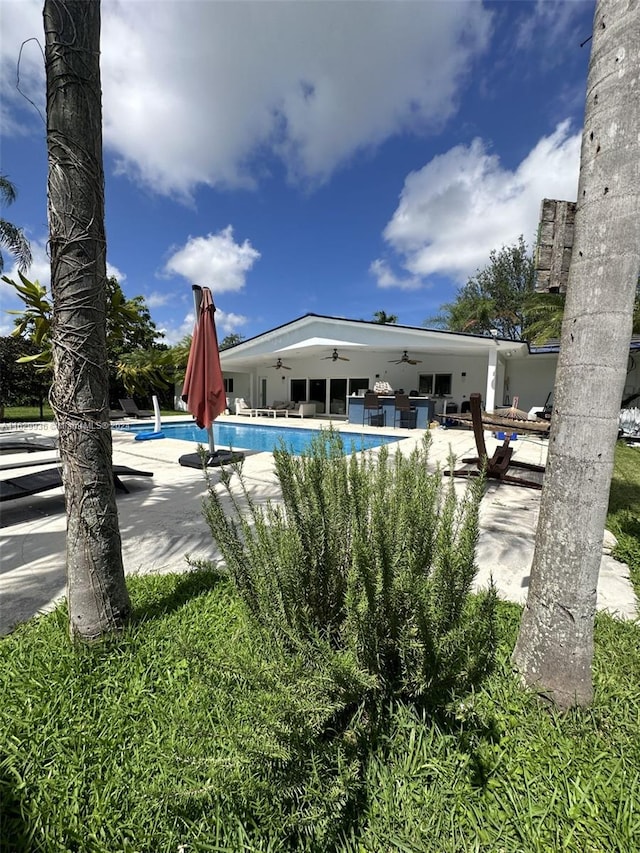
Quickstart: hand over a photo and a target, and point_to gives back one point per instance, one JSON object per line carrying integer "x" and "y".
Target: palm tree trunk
{"x": 554, "y": 650}
{"x": 97, "y": 595}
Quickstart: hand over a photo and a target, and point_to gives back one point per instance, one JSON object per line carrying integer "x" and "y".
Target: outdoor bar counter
{"x": 424, "y": 406}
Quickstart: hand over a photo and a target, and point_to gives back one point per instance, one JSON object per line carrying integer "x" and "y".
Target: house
{"x": 330, "y": 360}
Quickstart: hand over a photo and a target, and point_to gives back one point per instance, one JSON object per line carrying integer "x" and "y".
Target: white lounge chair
{"x": 242, "y": 407}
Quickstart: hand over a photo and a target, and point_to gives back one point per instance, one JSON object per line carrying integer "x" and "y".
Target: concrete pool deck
{"x": 161, "y": 519}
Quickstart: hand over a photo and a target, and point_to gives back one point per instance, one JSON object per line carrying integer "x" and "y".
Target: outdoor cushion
{"x": 51, "y": 478}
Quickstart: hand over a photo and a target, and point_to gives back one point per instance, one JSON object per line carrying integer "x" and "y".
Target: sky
{"x": 335, "y": 157}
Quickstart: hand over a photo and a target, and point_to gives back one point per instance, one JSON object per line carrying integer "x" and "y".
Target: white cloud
{"x": 174, "y": 334}
{"x": 157, "y": 299}
{"x": 387, "y": 278}
{"x": 464, "y": 203}
{"x": 192, "y": 91}
{"x": 215, "y": 261}
{"x": 551, "y": 21}
{"x": 21, "y": 64}
{"x": 115, "y": 272}
{"x": 226, "y": 324}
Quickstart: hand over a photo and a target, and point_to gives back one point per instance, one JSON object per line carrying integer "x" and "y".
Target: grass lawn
{"x": 29, "y": 414}
{"x": 187, "y": 734}
{"x": 624, "y": 509}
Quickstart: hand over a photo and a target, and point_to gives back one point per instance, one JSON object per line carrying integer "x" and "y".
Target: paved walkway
{"x": 161, "y": 523}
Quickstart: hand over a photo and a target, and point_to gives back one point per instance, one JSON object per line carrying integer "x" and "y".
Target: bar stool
{"x": 404, "y": 412}
{"x": 372, "y": 410}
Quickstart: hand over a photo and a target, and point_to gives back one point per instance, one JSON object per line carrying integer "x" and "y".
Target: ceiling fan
{"x": 335, "y": 357}
{"x": 405, "y": 360}
{"x": 279, "y": 365}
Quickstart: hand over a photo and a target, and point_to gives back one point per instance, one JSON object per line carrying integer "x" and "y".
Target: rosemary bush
{"x": 366, "y": 565}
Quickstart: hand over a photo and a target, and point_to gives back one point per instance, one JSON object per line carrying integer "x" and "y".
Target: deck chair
{"x": 17, "y": 443}
{"x": 497, "y": 467}
{"x": 130, "y": 408}
{"x": 243, "y": 408}
{"x": 27, "y": 485}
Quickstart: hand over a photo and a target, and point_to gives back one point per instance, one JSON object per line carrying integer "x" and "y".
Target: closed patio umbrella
{"x": 203, "y": 389}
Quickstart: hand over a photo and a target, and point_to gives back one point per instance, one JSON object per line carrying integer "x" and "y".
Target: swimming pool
{"x": 256, "y": 437}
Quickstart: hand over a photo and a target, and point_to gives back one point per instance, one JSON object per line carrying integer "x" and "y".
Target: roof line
{"x": 370, "y": 323}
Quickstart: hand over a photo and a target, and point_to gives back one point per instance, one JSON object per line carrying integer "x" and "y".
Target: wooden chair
{"x": 497, "y": 467}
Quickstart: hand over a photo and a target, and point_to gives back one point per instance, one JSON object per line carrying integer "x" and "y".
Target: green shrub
{"x": 365, "y": 565}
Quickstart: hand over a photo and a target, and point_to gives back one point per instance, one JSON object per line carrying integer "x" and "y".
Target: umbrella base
{"x": 212, "y": 460}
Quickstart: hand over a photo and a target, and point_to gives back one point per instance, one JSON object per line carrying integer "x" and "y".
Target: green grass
{"x": 20, "y": 414}
{"x": 188, "y": 730}
{"x": 184, "y": 731}
{"x": 624, "y": 509}
{"x": 25, "y": 414}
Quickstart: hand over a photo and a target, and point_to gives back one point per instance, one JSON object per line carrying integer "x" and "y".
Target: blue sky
{"x": 333, "y": 157}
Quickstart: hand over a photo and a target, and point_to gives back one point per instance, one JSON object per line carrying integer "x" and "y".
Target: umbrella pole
{"x": 197, "y": 301}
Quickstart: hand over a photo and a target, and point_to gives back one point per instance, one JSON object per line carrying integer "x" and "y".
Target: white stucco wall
{"x": 468, "y": 374}
{"x": 530, "y": 379}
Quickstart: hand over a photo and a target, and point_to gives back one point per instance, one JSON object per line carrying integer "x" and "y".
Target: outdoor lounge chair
{"x": 23, "y": 442}
{"x": 242, "y": 407}
{"x": 497, "y": 467}
{"x": 41, "y": 481}
{"x": 130, "y": 408}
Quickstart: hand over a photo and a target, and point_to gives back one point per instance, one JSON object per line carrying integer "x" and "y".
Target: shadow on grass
{"x": 624, "y": 495}
{"x": 188, "y": 586}
{"x": 14, "y": 833}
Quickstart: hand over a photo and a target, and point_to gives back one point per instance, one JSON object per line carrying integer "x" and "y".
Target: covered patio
{"x": 332, "y": 361}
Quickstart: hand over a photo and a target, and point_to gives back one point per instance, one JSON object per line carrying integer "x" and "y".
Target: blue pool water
{"x": 256, "y": 437}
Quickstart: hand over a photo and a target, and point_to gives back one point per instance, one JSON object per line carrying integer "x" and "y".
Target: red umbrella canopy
{"x": 203, "y": 389}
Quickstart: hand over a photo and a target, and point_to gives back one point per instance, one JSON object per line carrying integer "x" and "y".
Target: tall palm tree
{"x": 554, "y": 650}
{"x": 97, "y": 598}
{"x": 11, "y": 237}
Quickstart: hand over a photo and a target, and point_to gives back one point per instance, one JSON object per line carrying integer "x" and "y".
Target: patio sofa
{"x": 296, "y": 410}
{"x": 301, "y": 410}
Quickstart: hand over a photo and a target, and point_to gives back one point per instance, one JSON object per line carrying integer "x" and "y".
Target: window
{"x": 435, "y": 384}
{"x": 442, "y": 385}
{"x": 425, "y": 383}
{"x": 228, "y": 385}
{"x": 358, "y": 385}
{"x": 298, "y": 390}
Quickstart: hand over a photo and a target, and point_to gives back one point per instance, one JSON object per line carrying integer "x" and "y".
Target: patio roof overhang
{"x": 319, "y": 336}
